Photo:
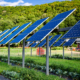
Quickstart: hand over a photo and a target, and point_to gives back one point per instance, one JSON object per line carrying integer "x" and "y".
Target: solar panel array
{"x": 9, "y": 32}
{"x": 74, "y": 32}
{"x": 28, "y": 30}
{"x": 43, "y": 42}
{"x": 59, "y": 42}
{"x": 1, "y": 34}
{"x": 51, "y": 42}
{"x": 70, "y": 42}
{"x": 15, "y": 33}
{"x": 50, "y": 26}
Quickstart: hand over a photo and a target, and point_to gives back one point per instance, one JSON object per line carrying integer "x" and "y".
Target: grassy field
{"x": 18, "y": 51}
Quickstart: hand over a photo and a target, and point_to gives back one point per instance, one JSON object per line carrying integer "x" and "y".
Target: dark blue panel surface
{"x": 14, "y": 33}
{"x": 28, "y": 31}
{"x": 69, "y": 43}
{"x": 28, "y": 44}
{"x": 50, "y": 26}
{"x": 51, "y": 42}
{"x": 1, "y": 34}
{"x": 59, "y": 42}
{"x": 34, "y": 44}
{"x": 9, "y": 32}
{"x": 74, "y": 32}
{"x": 43, "y": 42}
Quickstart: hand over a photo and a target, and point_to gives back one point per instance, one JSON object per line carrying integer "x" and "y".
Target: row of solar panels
{"x": 52, "y": 42}
{"x": 8, "y": 35}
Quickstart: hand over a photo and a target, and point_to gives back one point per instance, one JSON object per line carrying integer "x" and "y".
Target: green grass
{"x": 16, "y": 52}
{"x": 4, "y": 66}
{"x": 67, "y": 63}
{"x": 38, "y": 75}
{"x": 73, "y": 65}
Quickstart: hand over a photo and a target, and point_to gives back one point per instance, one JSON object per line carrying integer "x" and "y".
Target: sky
{"x": 25, "y": 2}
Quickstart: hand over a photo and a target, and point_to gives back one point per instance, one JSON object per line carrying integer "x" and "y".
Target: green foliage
{"x": 18, "y": 73}
{"x": 11, "y": 16}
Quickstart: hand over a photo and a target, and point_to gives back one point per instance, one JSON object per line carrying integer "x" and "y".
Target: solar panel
{"x": 59, "y": 42}
{"x": 15, "y": 33}
{"x": 74, "y": 32}
{"x": 43, "y": 42}
{"x": 50, "y": 26}
{"x": 51, "y": 42}
{"x": 28, "y": 44}
{"x": 34, "y": 44}
{"x": 28, "y": 30}
{"x": 1, "y": 34}
{"x": 70, "y": 42}
{"x": 9, "y": 32}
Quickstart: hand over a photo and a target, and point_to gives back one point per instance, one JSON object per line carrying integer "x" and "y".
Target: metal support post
{"x": 50, "y": 52}
{"x": 39, "y": 51}
{"x": 47, "y": 55}
{"x": 71, "y": 52}
{"x": 31, "y": 51}
{"x": 23, "y": 54}
{"x": 63, "y": 52}
{"x": 8, "y": 53}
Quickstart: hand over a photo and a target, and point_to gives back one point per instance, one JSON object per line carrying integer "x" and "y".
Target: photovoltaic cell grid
{"x": 34, "y": 44}
{"x": 59, "y": 42}
{"x": 15, "y": 33}
{"x": 9, "y": 32}
{"x": 74, "y": 32}
{"x": 50, "y": 26}
{"x": 51, "y": 42}
{"x": 70, "y": 42}
{"x": 1, "y": 34}
{"x": 30, "y": 43}
{"x": 43, "y": 42}
{"x": 28, "y": 31}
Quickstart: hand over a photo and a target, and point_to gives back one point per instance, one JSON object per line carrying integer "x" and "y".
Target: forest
{"x": 12, "y": 16}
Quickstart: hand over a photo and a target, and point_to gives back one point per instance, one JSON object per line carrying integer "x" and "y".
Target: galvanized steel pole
{"x": 50, "y": 52}
{"x": 71, "y": 52}
{"x": 31, "y": 51}
{"x": 63, "y": 52}
{"x": 47, "y": 55}
{"x": 23, "y": 54}
{"x": 8, "y": 53}
{"x": 39, "y": 51}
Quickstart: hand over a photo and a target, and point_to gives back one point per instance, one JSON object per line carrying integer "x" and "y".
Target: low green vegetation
{"x": 56, "y": 68}
{"x": 56, "y": 63}
{"x": 18, "y": 73}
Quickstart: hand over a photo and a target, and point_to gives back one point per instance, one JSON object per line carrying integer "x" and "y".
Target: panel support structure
{"x": 31, "y": 51}
{"x": 71, "y": 52}
{"x": 8, "y": 53}
{"x": 23, "y": 54}
{"x": 39, "y": 51}
{"x": 63, "y": 52}
{"x": 50, "y": 52}
{"x": 47, "y": 55}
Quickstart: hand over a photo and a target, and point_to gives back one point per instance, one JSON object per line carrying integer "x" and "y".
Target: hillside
{"x": 12, "y": 16}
